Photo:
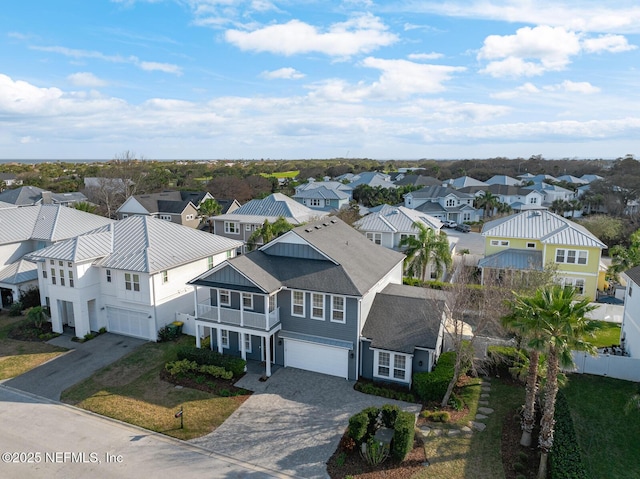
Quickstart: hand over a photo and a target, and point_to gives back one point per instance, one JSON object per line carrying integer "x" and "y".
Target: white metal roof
{"x": 397, "y": 219}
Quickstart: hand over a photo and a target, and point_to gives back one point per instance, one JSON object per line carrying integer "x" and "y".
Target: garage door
{"x": 130, "y": 323}
{"x": 316, "y": 357}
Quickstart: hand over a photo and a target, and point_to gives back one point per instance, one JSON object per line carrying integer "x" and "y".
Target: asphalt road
{"x": 44, "y": 439}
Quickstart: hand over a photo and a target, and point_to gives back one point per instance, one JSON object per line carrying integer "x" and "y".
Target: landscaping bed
{"x": 27, "y": 331}
{"x": 218, "y": 386}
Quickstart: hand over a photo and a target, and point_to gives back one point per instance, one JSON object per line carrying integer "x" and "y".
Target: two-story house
{"x": 32, "y": 195}
{"x": 533, "y": 239}
{"x": 323, "y": 195}
{"x": 322, "y": 298}
{"x": 179, "y": 207}
{"x": 26, "y": 229}
{"x": 517, "y": 197}
{"x": 128, "y": 276}
{"x": 443, "y": 203}
{"x": 630, "y": 331}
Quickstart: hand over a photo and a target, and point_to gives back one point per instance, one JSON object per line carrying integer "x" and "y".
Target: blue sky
{"x": 234, "y": 79}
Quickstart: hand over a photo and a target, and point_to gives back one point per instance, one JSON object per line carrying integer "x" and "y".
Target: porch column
{"x": 218, "y": 303}
{"x": 195, "y": 302}
{"x": 267, "y": 359}
{"x": 219, "y": 336}
{"x": 243, "y": 350}
{"x": 198, "y": 344}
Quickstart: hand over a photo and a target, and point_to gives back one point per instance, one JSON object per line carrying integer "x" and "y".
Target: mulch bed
{"x": 27, "y": 332}
{"x": 217, "y": 386}
{"x": 513, "y": 453}
{"x": 345, "y": 463}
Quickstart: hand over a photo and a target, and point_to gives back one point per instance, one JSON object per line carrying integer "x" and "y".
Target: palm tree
{"x": 558, "y": 325}
{"x": 268, "y": 231}
{"x": 86, "y": 206}
{"x": 427, "y": 247}
{"x": 207, "y": 209}
{"x": 575, "y": 205}
{"x": 488, "y": 201}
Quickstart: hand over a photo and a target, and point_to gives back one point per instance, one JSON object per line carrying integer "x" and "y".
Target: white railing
{"x": 236, "y": 317}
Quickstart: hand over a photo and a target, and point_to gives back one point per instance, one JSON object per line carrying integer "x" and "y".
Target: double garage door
{"x": 316, "y": 357}
{"x": 130, "y": 323}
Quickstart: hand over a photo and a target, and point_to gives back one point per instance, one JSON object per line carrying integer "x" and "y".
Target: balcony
{"x": 236, "y": 317}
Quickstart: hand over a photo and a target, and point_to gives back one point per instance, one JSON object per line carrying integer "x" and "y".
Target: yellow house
{"x": 533, "y": 239}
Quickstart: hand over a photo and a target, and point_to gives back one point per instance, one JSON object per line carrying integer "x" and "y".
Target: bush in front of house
{"x": 565, "y": 459}
{"x": 432, "y": 386}
{"x": 503, "y": 360}
{"x": 15, "y": 309}
{"x": 384, "y": 391}
{"x": 184, "y": 366}
{"x": 213, "y": 358}
{"x": 403, "y": 435}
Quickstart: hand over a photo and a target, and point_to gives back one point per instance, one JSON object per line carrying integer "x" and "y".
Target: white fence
{"x": 611, "y": 313}
{"x": 619, "y": 367}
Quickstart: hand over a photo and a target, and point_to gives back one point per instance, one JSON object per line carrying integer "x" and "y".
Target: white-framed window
{"x": 60, "y": 263}
{"x": 533, "y": 200}
{"x": 225, "y": 297}
{"x": 630, "y": 289}
{"x": 44, "y": 273}
{"x": 52, "y": 262}
{"x": 297, "y": 303}
{"x": 247, "y": 342}
{"x": 165, "y": 217}
{"x": 108, "y": 276}
{"x": 132, "y": 282}
{"x": 69, "y": 264}
{"x": 247, "y": 301}
{"x": 450, "y": 202}
{"x": 210, "y": 262}
{"x": 124, "y": 215}
{"x": 247, "y": 227}
{"x": 466, "y": 216}
{"x": 229, "y": 254}
{"x": 71, "y": 284}
{"x": 375, "y": 237}
{"x": 499, "y": 243}
{"x": 317, "y": 306}
{"x": 314, "y": 202}
{"x": 53, "y": 276}
{"x": 572, "y": 256}
{"x": 404, "y": 236}
{"x": 224, "y": 338}
{"x": 337, "y": 309}
{"x": 61, "y": 277}
{"x": 189, "y": 217}
{"x": 231, "y": 227}
{"x": 531, "y": 245}
{"x": 272, "y": 302}
{"x": 165, "y": 276}
{"x": 390, "y": 365}
{"x": 577, "y": 283}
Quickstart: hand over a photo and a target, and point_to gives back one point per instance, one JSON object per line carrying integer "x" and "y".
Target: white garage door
{"x": 130, "y": 323}
{"x": 316, "y": 357}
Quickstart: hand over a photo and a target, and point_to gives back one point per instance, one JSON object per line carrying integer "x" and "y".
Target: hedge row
{"x": 184, "y": 366}
{"x": 432, "y": 386}
{"x": 363, "y": 426}
{"x": 385, "y": 392}
{"x": 565, "y": 459}
{"x": 213, "y": 358}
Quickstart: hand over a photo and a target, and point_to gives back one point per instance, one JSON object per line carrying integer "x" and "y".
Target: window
{"x": 124, "y": 215}
{"x": 571, "y": 256}
{"x": 108, "y": 276}
{"x": 247, "y": 228}
{"x": 53, "y": 276}
{"x": 576, "y": 283}
{"x": 314, "y": 202}
{"x": 297, "y": 303}
{"x": 499, "y": 243}
{"x": 317, "y": 309}
{"x": 533, "y": 200}
{"x": 337, "y": 309}
{"x": 247, "y": 301}
{"x": 71, "y": 279}
{"x": 165, "y": 217}
{"x": 225, "y": 297}
{"x": 231, "y": 227}
{"x": 51, "y": 261}
{"x": 630, "y": 289}
{"x": 466, "y": 217}
{"x": 247, "y": 342}
{"x": 70, "y": 264}
{"x": 165, "y": 276}
{"x": 60, "y": 263}
{"x": 450, "y": 202}
{"x": 224, "y": 335}
{"x": 210, "y": 262}
{"x": 44, "y": 273}
{"x": 375, "y": 237}
{"x": 531, "y": 245}
{"x": 189, "y": 217}
{"x": 61, "y": 277}
{"x": 390, "y": 365}
{"x": 229, "y": 254}
{"x": 132, "y": 282}
{"x": 272, "y": 302}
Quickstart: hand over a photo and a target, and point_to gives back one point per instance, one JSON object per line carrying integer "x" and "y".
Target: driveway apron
{"x": 80, "y": 362}
{"x": 293, "y": 422}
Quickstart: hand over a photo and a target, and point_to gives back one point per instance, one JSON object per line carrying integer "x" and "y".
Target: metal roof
{"x": 396, "y": 219}
{"x": 19, "y": 272}
{"x": 322, "y": 193}
{"x": 503, "y": 180}
{"x": 272, "y": 207}
{"x": 513, "y": 259}
{"x": 542, "y": 225}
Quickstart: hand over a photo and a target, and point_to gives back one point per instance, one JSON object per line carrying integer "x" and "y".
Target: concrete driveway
{"x": 80, "y": 362}
{"x": 292, "y": 423}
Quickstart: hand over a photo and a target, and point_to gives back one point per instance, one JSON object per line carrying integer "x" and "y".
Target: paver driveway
{"x": 293, "y": 422}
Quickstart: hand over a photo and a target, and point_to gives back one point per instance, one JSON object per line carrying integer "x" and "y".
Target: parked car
{"x": 449, "y": 224}
{"x": 464, "y": 228}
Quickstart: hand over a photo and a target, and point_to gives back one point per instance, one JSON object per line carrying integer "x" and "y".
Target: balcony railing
{"x": 237, "y": 317}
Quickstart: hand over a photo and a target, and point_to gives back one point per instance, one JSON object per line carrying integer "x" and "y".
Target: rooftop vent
{"x": 334, "y": 221}
{"x": 308, "y": 230}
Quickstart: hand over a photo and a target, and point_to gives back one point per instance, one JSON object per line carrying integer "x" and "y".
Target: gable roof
{"x": 373, "y": 179}
{"x": 633, "y": 274}
{"x": 19, "y": 272}
{"x": 434, "y": 192}
{"x": 271, "y": 208}
{"x": 463, "y": 181}
{"x": 330, "y": 185}
{"x": 396, "y": 219}
{"x": 503, "y": 180}
{"x": 405, "y": 317}
{"x": 572, "y": 179}
{"x": 322, "y": 192}
{"x": 140, "y": 243}
{"x": 543, "y": 225}
{"x": 22, "y": 196}
{"x": 172, "y": 202}
{"x": 419, "y": 180}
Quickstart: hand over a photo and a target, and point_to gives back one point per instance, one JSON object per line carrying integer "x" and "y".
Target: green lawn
{"x": 608, "y": 437}
{"x": 282, "y": 174}
{"x": 131, "y": 390}
{"x": 607, "y": 335}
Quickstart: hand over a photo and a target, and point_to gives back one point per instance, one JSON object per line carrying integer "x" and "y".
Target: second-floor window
{"x": 247, "y": 301}
{"x": 132, "y": 282}
{"x": 317, "y": 309}
{"x": 53, "y": 276}
{"x": 189, "y": 217}
{"x": 375, "y": 237}
{"x": 571, "y": 256}
{"x": 62, "y": 277}
{"x": 499, "y": 243}
{"x": 450, "y": 202}
{"x": 165, "y": 217}
{"x": 108, "y": 276}
{"x": 314, "y": 202}
{"x": 210, "y": 262}
{"x": 225, "y": 297}
{"x": 297, "y": 303}
{"x": 533, "y": 200}
{"x": 71, "y": 284}
{"x": 337, "y": 309}
{"x": 231, "y": 227}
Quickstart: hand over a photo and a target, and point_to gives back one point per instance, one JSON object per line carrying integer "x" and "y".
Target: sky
{"x": 252, "y": 79}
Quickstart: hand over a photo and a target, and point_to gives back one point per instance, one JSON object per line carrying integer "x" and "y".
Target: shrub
{"x": 432, "y": 386}
{"x": 182, "y": 366}
{"x": 15, "y": 309}
{"x": 384, "y": 391}
{"x": 375, "y": 452}
{"x": 519, "y": 467}
{"x": 390, "y": 414}
{"x": 403, "y": 435}
{"x": 102, "y": 330}
{"x": 89, "y": 336}
{"x": 565, "y": 460}
{"x": 437, "y": 416}
{"x": 30, "y": 298}
{"x": 165, "y": 334}
{"x": 505, "y": 359}
{"x": 358, "y": 425}
{"x": 213, "y": 358}
{"x": 456, "y": 402}
{"x": 215, "y": 371}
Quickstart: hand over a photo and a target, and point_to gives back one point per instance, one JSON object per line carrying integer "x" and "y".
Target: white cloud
{"x": 607, "y": 43}
{"x": 569, "y": 86}
{"x": 529, "y": 89}
{"x": 360, "y": 34}
{"x": 522, "y": 90}
{"x": 282, "y": 74}
{"x": 546, "y": 48}
{"x": 162, "y": 67}
{"x": 425, "y": 56}
{"x": 86, "y": 79}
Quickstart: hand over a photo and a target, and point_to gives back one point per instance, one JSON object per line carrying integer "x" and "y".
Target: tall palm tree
{"x": 207, "y": 209}
{"x": 427, "y": 247}
{"x": 558, "y": 325}
{"x": 487, "y": 201}
{"x": 268, "y": 231}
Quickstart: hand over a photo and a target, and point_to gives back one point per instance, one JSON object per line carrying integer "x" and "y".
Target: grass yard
{"x": 608, "y": 437}
{"x": 282, "y": 174}
{"x": 607, "y": 335}
{"x": 476, "y": 456}
{"x": 131, "y": 390}
{"x": 18, "y": 357}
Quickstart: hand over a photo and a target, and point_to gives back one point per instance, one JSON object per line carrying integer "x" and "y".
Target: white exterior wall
{"x": 12, "y": 252}
{"x": 631, "y": 320}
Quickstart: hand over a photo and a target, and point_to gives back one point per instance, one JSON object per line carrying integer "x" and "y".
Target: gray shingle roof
{"x": 429, "y": 192}
{"x": 503, "y": 180}
{"x": 405, "y": 317}
{"x": 173, "y": 202}
{"x": 24, "y": 195}
{"x": 634, "y": 274}
{"x": 419, "y": 180}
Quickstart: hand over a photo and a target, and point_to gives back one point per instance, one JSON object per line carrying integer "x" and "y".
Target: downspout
{"x": 153, "y": 297}
{"x": 359, "y": 365}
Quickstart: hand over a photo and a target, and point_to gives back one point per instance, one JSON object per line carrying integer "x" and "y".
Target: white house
{"x": 443, "y": 203}
{"x": 630, "y": 333}
{"x": 128, "y": 277}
